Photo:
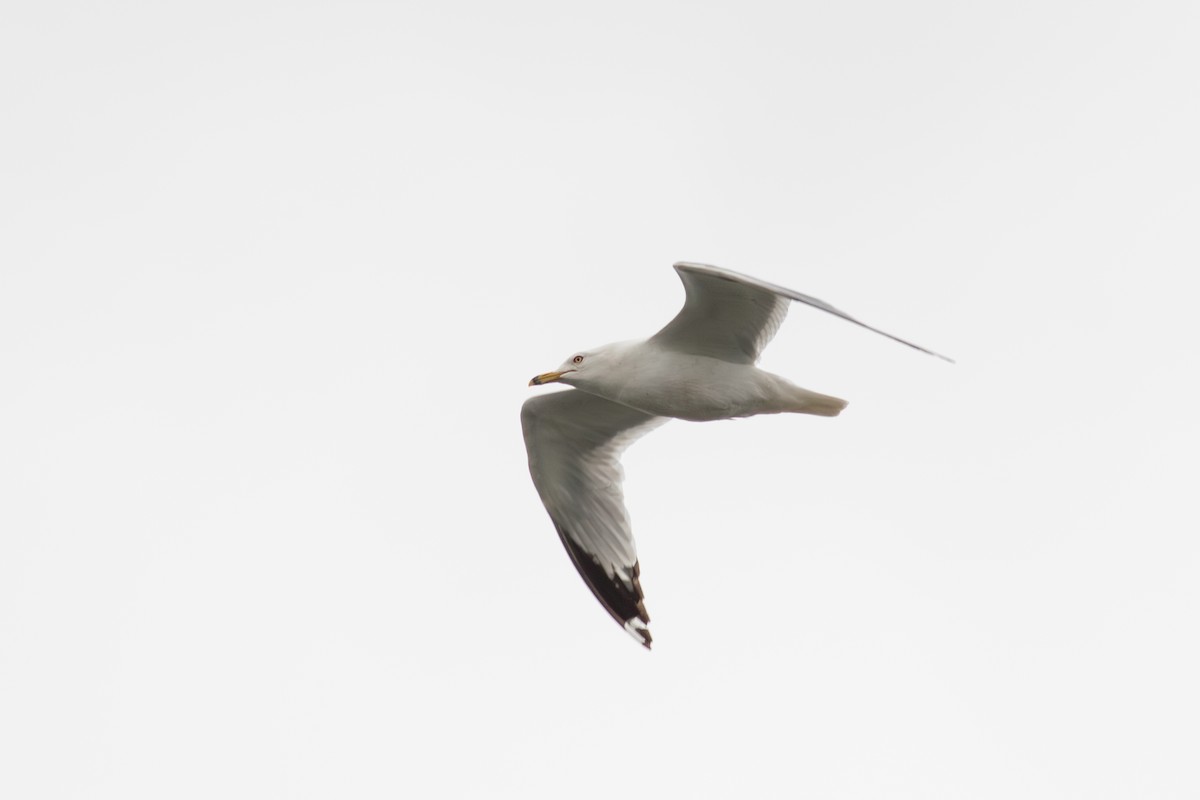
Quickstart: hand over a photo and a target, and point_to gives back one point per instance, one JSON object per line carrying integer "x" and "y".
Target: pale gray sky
{"x": 273, "y": 278}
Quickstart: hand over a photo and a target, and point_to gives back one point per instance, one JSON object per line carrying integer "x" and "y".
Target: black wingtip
{"x": 624, "y": 603}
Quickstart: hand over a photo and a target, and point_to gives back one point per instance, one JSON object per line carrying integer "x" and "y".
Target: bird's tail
{"x": 805, "y": 402}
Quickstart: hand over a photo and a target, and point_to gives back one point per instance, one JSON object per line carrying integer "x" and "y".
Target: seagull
{"x": 700, "y": 367}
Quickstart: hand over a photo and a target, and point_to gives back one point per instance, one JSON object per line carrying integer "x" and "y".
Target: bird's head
{"x": 581, "y": 368}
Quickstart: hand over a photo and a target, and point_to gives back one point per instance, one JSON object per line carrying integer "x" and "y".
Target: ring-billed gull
{"x": 699, "y": 367}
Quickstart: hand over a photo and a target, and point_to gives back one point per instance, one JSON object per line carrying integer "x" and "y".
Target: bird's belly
{"x": 706, "y": 389}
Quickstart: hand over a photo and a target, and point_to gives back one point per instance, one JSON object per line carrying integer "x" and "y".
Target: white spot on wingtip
{"x": 635, "y": 627}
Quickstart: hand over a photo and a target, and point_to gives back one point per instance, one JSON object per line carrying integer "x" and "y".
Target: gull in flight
{"x": 699, "y": 367}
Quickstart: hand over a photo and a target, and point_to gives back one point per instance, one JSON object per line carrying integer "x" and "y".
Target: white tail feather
{"x": 822, "y": 405}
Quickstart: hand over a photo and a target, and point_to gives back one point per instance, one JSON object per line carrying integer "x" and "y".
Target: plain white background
{"x": 273, "y": 278}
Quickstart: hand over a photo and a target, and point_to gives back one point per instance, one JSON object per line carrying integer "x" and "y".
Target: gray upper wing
{"x": 732, "y": 316}
{"x": 574, "y": 441}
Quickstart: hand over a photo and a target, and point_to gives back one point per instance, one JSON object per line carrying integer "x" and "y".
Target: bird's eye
{"x": 577, "y": 360}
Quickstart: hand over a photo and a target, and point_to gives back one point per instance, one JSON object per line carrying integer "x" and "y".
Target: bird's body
{"x": 700, "y": 367}
{"x": 657, "y": 380}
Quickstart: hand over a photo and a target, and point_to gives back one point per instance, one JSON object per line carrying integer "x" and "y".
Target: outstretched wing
{"x": 732, "y": 317}
{"x": 575, "y": 440}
